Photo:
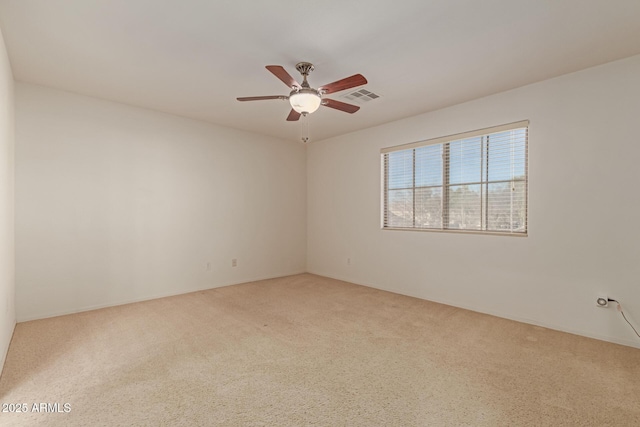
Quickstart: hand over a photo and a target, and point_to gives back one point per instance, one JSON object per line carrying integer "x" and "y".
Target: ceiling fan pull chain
{"x": 304, "y": 129}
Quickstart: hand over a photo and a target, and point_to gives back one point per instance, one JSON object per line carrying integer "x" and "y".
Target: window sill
{"x": 431, "y": 230}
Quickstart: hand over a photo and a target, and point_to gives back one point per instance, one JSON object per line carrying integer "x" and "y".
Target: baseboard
{"x": 504, "y": 315}
{"x": 148, "y": 298}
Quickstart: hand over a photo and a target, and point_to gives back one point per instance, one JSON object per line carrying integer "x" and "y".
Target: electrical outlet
{"x": 234, "y": 262}
{"x": 602, "y": 301}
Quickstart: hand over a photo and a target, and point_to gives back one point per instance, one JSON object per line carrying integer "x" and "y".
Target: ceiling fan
{"x": 303, "y": 98}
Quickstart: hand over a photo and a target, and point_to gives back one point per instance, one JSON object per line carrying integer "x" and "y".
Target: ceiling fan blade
{"x": 346, "y": 83}
{"x": 293, "y": 116}
{"x": 260, "y": 98}
{"x": 342, "y": 106}
{"x": 282, "y": 74}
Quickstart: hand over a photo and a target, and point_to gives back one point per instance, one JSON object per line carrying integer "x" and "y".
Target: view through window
{"x": 475, "y": 181}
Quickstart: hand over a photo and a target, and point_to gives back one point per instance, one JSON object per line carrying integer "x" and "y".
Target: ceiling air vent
{"x": 361, "y": 96}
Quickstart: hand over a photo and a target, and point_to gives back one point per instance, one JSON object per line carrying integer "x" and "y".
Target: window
{"x": 476, "y": 181}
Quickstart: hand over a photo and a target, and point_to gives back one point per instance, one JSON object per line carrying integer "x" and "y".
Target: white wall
{"x": 584, "y": 213}
{"x": 117, "y": 204}
{"x": 7, "y": 249}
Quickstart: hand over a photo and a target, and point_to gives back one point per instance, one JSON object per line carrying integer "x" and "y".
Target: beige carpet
{"x": 307, "y": 350}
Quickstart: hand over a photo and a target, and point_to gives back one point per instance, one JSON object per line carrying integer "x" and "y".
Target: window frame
{"x": 445, "y": 185}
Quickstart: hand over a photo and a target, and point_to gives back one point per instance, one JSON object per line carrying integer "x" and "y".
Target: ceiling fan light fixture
{"x": 305, "y": 100}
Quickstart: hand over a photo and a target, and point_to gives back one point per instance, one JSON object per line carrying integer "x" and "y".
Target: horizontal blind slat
{"x": 480, "y": 132}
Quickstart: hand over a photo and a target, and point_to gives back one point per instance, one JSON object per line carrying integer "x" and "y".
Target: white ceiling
{"x": 194, "y": 57}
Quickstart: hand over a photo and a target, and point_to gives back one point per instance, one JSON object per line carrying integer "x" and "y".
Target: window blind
{"x": 476, "y": 181}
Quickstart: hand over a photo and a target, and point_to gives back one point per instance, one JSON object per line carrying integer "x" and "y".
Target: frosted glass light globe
{"x": 305, "y": 101}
